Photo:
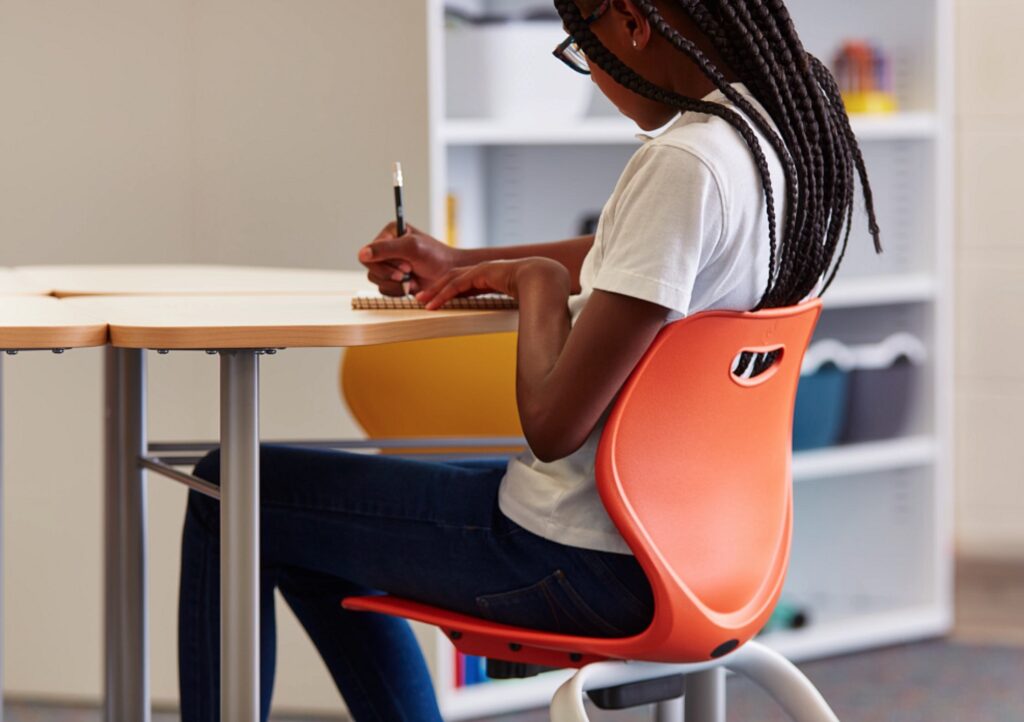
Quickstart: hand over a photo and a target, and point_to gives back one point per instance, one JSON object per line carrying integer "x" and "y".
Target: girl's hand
{"x": 417, "y": 256}
{"x": 495, "y": 277}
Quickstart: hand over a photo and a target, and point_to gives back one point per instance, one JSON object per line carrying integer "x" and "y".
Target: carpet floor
{"x": 926, "y": 682}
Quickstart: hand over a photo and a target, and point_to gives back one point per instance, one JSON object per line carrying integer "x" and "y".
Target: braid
{"x": 814, "y": 142}
{"x": 623, "y": 75}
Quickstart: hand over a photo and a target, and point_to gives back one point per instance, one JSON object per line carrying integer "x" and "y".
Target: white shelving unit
{"x": 619, "y": 130}
{"x": 873, "y": 533}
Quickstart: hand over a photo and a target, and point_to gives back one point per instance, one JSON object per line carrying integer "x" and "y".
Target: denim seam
{"x": 204, "y": 583}
{"x": 633, "y": 603}
{"x": 582, "y": 607}
{"x": 354, "y": 676}
{"x": 368, "y": 515}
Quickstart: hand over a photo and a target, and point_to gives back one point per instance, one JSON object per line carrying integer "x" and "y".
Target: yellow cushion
{"x": 448, "y": 387}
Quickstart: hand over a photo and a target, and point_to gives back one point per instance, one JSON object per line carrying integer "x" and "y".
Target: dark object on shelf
{"x": 786, "y": 616}
{"x": 541, "y": 13}
{"x": 588, "y": 226}
{"x": 453, "y": 13}
{"x": 500, "y": 669}
{"x": 880, "y": 401}
{"x": 458, "y": 15}
{"x": 821, "y": 403}
{"x": 636, "y": 694}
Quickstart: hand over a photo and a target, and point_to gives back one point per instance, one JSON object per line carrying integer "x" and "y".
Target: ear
{"x": 633, "y": 22}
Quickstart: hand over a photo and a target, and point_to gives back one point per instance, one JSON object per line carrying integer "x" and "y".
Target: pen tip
{"x": 398, "y": 174}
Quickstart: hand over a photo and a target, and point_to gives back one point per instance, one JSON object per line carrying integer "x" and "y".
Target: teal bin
{"x": 820, "y": 410}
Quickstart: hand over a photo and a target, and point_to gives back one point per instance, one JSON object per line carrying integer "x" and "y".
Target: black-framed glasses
{"x": 569, "y": 51}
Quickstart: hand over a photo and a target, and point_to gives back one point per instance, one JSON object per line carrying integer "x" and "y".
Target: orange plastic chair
{"x": 446, "y": 388}
{"x": 694, "y": 469}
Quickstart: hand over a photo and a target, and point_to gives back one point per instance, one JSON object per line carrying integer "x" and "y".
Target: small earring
{"x": 634, "y": 42}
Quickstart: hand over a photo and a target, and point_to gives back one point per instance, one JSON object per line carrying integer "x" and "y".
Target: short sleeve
{"x": 668, "y": 218}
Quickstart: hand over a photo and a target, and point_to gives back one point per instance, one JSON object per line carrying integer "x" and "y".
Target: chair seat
{"x": 482, "y": 638}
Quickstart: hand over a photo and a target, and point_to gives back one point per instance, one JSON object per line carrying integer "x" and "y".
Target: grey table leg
{"x": 239, "y": 537}
{"x": 126, "y": 612}
{"x": 1, "y": 536}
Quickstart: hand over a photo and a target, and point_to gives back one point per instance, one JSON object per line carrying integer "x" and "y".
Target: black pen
{"x": 399, "y": 183}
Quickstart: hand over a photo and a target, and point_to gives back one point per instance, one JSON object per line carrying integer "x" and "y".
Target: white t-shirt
{"x": 685, "y": 228}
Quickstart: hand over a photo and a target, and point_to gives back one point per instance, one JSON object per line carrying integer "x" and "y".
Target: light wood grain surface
{"x": 70, "y": 281}
{"x": 222, "y": 322}
{"x": 15, "y": 283}
{"x": 29, "y": 322}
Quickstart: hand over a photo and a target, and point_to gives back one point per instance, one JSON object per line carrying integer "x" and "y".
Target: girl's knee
{"x": 208, "y": 468}
{"x": 204, "y": 510}
{"x": 201, "y": 508}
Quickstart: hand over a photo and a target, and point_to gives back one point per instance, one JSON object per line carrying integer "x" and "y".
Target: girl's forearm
{"x": 570, "y": 253}
{"x": 543, "y": 289}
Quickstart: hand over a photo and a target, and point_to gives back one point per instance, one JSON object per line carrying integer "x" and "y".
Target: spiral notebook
{"x": 485, "y": 302}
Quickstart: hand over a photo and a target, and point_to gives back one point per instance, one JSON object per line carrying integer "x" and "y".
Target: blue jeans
{"x": 335, "y": 524}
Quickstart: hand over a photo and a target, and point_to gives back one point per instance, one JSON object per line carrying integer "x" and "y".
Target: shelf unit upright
{"x": 873, "y": 533}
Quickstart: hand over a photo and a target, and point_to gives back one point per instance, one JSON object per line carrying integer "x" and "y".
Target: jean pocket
{"x": 624, "y": 580}
{"x": 550, "y": 605}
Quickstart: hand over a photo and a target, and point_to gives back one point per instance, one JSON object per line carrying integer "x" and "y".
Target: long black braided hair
{"x": 815, "y": 143}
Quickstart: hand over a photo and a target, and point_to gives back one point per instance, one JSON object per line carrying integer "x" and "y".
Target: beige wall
{"x": 176, "y": 130}
{"x": 990, "y": 279}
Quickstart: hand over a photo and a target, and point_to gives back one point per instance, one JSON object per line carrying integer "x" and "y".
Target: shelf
{"x": 506, "y": 176}
{"x": 916, "y": 125}
{"x": 881, "y": 291}
{"x": 619, "y": 131}
{"x": 864, "y": 458}
{"x": 862, "y": 632}
{"x": 589, "y": 131}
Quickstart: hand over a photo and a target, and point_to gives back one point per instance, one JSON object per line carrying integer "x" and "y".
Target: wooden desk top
{"x": 222, "y": 322}
{"x": 68, "y": 281}
{"x": 14, "y": 283}
{"x": 28, "y": 322}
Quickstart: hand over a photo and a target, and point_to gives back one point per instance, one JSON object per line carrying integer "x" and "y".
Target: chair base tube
{"x": 705, "y": 696}
{"x": 669, "y": 711}
{"x": 783, "y": 681}
{"x": 704, "y": 700}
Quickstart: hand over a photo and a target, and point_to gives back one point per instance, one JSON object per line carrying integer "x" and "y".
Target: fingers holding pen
{"x": 394, "y": 285}
{"x": 387, "y": 271}
{"x": 413, "y": 259}
{"x": 375, "y": 256}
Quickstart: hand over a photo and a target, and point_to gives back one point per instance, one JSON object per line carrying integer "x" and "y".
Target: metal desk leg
{"x": 239, "y": 537}
{"x": 1, "y": 536}
{"x": 126, "y": 617}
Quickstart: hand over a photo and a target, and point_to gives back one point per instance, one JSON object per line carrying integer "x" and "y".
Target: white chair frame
{"x": 704, "y": 699}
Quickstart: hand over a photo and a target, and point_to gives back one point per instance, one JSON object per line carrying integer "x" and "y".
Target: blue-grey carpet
{"x": 935, "y": 681}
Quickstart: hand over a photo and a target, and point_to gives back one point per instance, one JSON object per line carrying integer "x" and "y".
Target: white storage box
{"x": 505, "y": 71}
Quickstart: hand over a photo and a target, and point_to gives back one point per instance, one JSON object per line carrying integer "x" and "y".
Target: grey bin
{"x": 879, "y": 401}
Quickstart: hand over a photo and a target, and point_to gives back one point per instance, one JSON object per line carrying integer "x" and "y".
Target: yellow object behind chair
{"x": 441, "y": 388}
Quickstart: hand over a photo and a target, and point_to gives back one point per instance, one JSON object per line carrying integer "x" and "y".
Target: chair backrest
{"x": 447, "y": 387}
{"x": 694, "y": 467}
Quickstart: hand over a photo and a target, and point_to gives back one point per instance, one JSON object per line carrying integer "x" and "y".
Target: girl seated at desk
{"x": 744, "y": 202}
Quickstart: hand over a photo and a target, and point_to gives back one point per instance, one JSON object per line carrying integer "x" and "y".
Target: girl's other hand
{"x": 390, "y": 258}
{"x": 493, "y": 277}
